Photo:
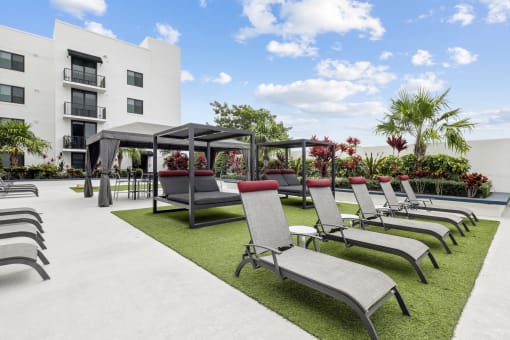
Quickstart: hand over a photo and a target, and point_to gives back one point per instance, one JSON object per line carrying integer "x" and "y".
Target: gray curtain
{"x": 247, "y": 162}
{"x": 109, "y": 148}
{"x": 90, "y": 161}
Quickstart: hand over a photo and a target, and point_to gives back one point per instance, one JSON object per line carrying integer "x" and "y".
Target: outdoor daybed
{"x": 206, "y": 194}
{"x": 288, "y": 183}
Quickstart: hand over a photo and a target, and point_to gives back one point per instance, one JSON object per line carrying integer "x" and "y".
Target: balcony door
{"x": 84, "y": 103}
{"x": 80, "y": 131}
{"x": 84, "y": 71}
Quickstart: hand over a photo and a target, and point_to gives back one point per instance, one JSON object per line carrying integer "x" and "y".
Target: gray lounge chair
{"x": 330, "y": 226}
{"x": 21, "y": 218}
{"x": 402, "y": 209}
{"x": 21, "y": 230}
{"x": 9, "y": 188}
{"x": 362, "y": 288}
{"x": 23, "y": 253}
{"x": 21, "y": 210}
{"x": 372, "y": 216}
{"x": 422, "y": 204}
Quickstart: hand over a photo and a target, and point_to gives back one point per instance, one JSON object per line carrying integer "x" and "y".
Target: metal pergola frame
{"x": 192, "y": 134}
{"x": 303, "y": 144}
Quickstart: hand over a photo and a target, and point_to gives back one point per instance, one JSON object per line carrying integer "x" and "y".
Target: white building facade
{"x": 72, "y": 86}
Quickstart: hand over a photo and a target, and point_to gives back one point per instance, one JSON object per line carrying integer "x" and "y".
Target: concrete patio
{"x": 111, "y": 281}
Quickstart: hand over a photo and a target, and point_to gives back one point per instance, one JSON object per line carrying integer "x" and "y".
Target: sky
{"x": 323, "y": 67}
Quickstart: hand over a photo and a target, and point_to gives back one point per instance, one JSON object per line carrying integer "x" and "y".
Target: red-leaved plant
{"x": 473, "y": 181}
{"x": 322, "y": 155}
{"x": 177, "y": 161}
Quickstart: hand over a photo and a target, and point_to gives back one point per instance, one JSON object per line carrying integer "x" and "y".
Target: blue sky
{"x": 325, "y": 67}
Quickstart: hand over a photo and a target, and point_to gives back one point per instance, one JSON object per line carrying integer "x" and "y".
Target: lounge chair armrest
{"x": 382, "y": 210}
{"x": 341, "y": 229}
{"x": 264, "y": 247}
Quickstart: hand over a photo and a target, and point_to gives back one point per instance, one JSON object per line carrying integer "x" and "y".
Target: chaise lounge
{"x": 9, "y": 188}
{"x": 362, "y": 288}
{"x": 23, "y": 253}
{"x": 206, "y": 194}
{"x": 330, "y": 226}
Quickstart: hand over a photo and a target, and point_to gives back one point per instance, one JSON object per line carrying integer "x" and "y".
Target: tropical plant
{"x": 177, "y": 161}
{"x": 372, "y": 164}
{"x": 397, "y": 143}
{"x": 427, "y": 119}
{"x": 351, "y": 164}
{"x": 200, "y": 161}
{"x": 473, "y": 182}
{"x": 133, "y": 153}
{"x": 16, "y": 138}
{"x": 322, "y": 155}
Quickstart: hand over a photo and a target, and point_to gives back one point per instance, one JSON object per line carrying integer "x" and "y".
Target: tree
{"x": 16, "y": 138}
{"x": 427, "y": 119}
{"x": 135, "y": 154}
{"x": 244, "y": 117}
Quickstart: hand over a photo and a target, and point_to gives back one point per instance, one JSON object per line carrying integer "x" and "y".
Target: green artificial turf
{"x": 435, "y": 307}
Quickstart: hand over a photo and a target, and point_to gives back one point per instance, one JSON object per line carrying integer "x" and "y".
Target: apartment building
{"x": 74, "y": 85}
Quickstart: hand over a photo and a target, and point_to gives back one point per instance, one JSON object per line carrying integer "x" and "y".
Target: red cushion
{"x": 403, "y": 177}
{"x": 204, "y": 172}
{"x": 357, "y": 180}
{"x": 288, "y": 171}
{"x": 249, "y": 186}
{"x": 384, "y": 179}
{"x": 272, "y": 171}
{"x": 172, "y": 173}
{"x": 318, "y": 183}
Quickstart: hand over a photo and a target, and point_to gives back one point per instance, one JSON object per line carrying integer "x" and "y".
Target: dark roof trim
{"x": 74, "y": 53}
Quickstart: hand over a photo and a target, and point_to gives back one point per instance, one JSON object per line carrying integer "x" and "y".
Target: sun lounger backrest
{"x": 389, "y": 193}
{"x": 174, "y": 181}
{"x": 324, "y": 203}
{"x": 205, "y": 181}
{"x": 404, "y": 180}
{"x": 366, "y": 205}
{"x": 264, "y": 214}
{"x": 290, "y": 177}
{"x": 275, "y": 175}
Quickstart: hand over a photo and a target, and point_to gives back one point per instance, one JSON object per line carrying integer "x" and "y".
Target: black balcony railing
{"x": 84, "y": 110}
{"x": 84, "y": 78}
{"x": 74, "y": 142}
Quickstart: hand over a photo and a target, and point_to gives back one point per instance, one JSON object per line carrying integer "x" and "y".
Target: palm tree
{"x": 135, "y": 155}
{"x": 428, "y": 119}
{"x": 16, "y": 138}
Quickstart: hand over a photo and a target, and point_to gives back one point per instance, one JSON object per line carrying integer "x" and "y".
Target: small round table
{"x": 351, "y": 218}
{"x": 301, "y": 231}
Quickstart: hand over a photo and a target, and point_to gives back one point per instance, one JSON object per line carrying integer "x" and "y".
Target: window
{"x": 135, "y": 78}
{"x": 84, "y": 103}
{"x": 78, "y": 160}
{"x": 12, "y": 61}
{"x": 12, "y": 94}
{"x": 135, "y": 106}
{"x": 84, "y": 71}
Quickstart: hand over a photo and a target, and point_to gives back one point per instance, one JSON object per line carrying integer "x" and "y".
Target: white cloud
{"x": 222, "y": 78}
{"x": 78, "y": 8}
{"x": 203, "y": 3}
{"x": 422, "y": 58}
{"x": 291, "y": 49}
{"x": 98, "y": 28}
{"x": 422, "y": 16}
{"x": 385, "y": 55}
{"x": 186, "y": 76}
{"x": 301, "y": 21}
{"x": 464, "y": 15}
{"x": 428, "y": 81}
{"x": 167, "y": 33}
{"x": 499, "y": 11}
{"x": 362, "y": 71}
{"x": 462, "y": 56}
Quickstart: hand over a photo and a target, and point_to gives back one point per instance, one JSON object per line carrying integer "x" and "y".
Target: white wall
{"x": 38, "y": 80}
{"x": 490, "y": 157}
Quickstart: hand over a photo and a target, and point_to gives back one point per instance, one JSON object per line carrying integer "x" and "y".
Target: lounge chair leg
{"x": 370, "y": 327}
{"x": 42, "y": 257}
{"x": 420, "y": 272}
{"x": 39, "y": 242}
{"x": 465, "y": 226}
{"x": 448, "y": 251}
{"x": 460, "y": 230}
{"x": 433, "y": 260}
{"x": 453, "y": 239}
{"x": 242, "y": 264}
{"x": 39, "y": 269}
{"x": 401, "y": 302}
{"x": 476, "y": 218}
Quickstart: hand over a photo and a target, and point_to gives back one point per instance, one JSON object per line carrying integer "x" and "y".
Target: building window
{"x": 135, "y": 78}
{"x": 135, "y": 106}
{"x": 12, "y": 61}
{"x": 84, "y": 71}
{"x": 78, "y": 160}
{"x": 84, "y": 103}
{"x": 12, "y": 94}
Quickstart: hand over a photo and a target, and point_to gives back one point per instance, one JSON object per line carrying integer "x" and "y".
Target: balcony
{"x": 84, "y": 112}
{"x": 84, "y": 80}
{"x": 74, "y": 143}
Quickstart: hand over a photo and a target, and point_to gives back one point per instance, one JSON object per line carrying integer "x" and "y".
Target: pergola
{"x": 104, "y": 145}
{"x": 303, "y": 144}
{"x": 209, "y": 139}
